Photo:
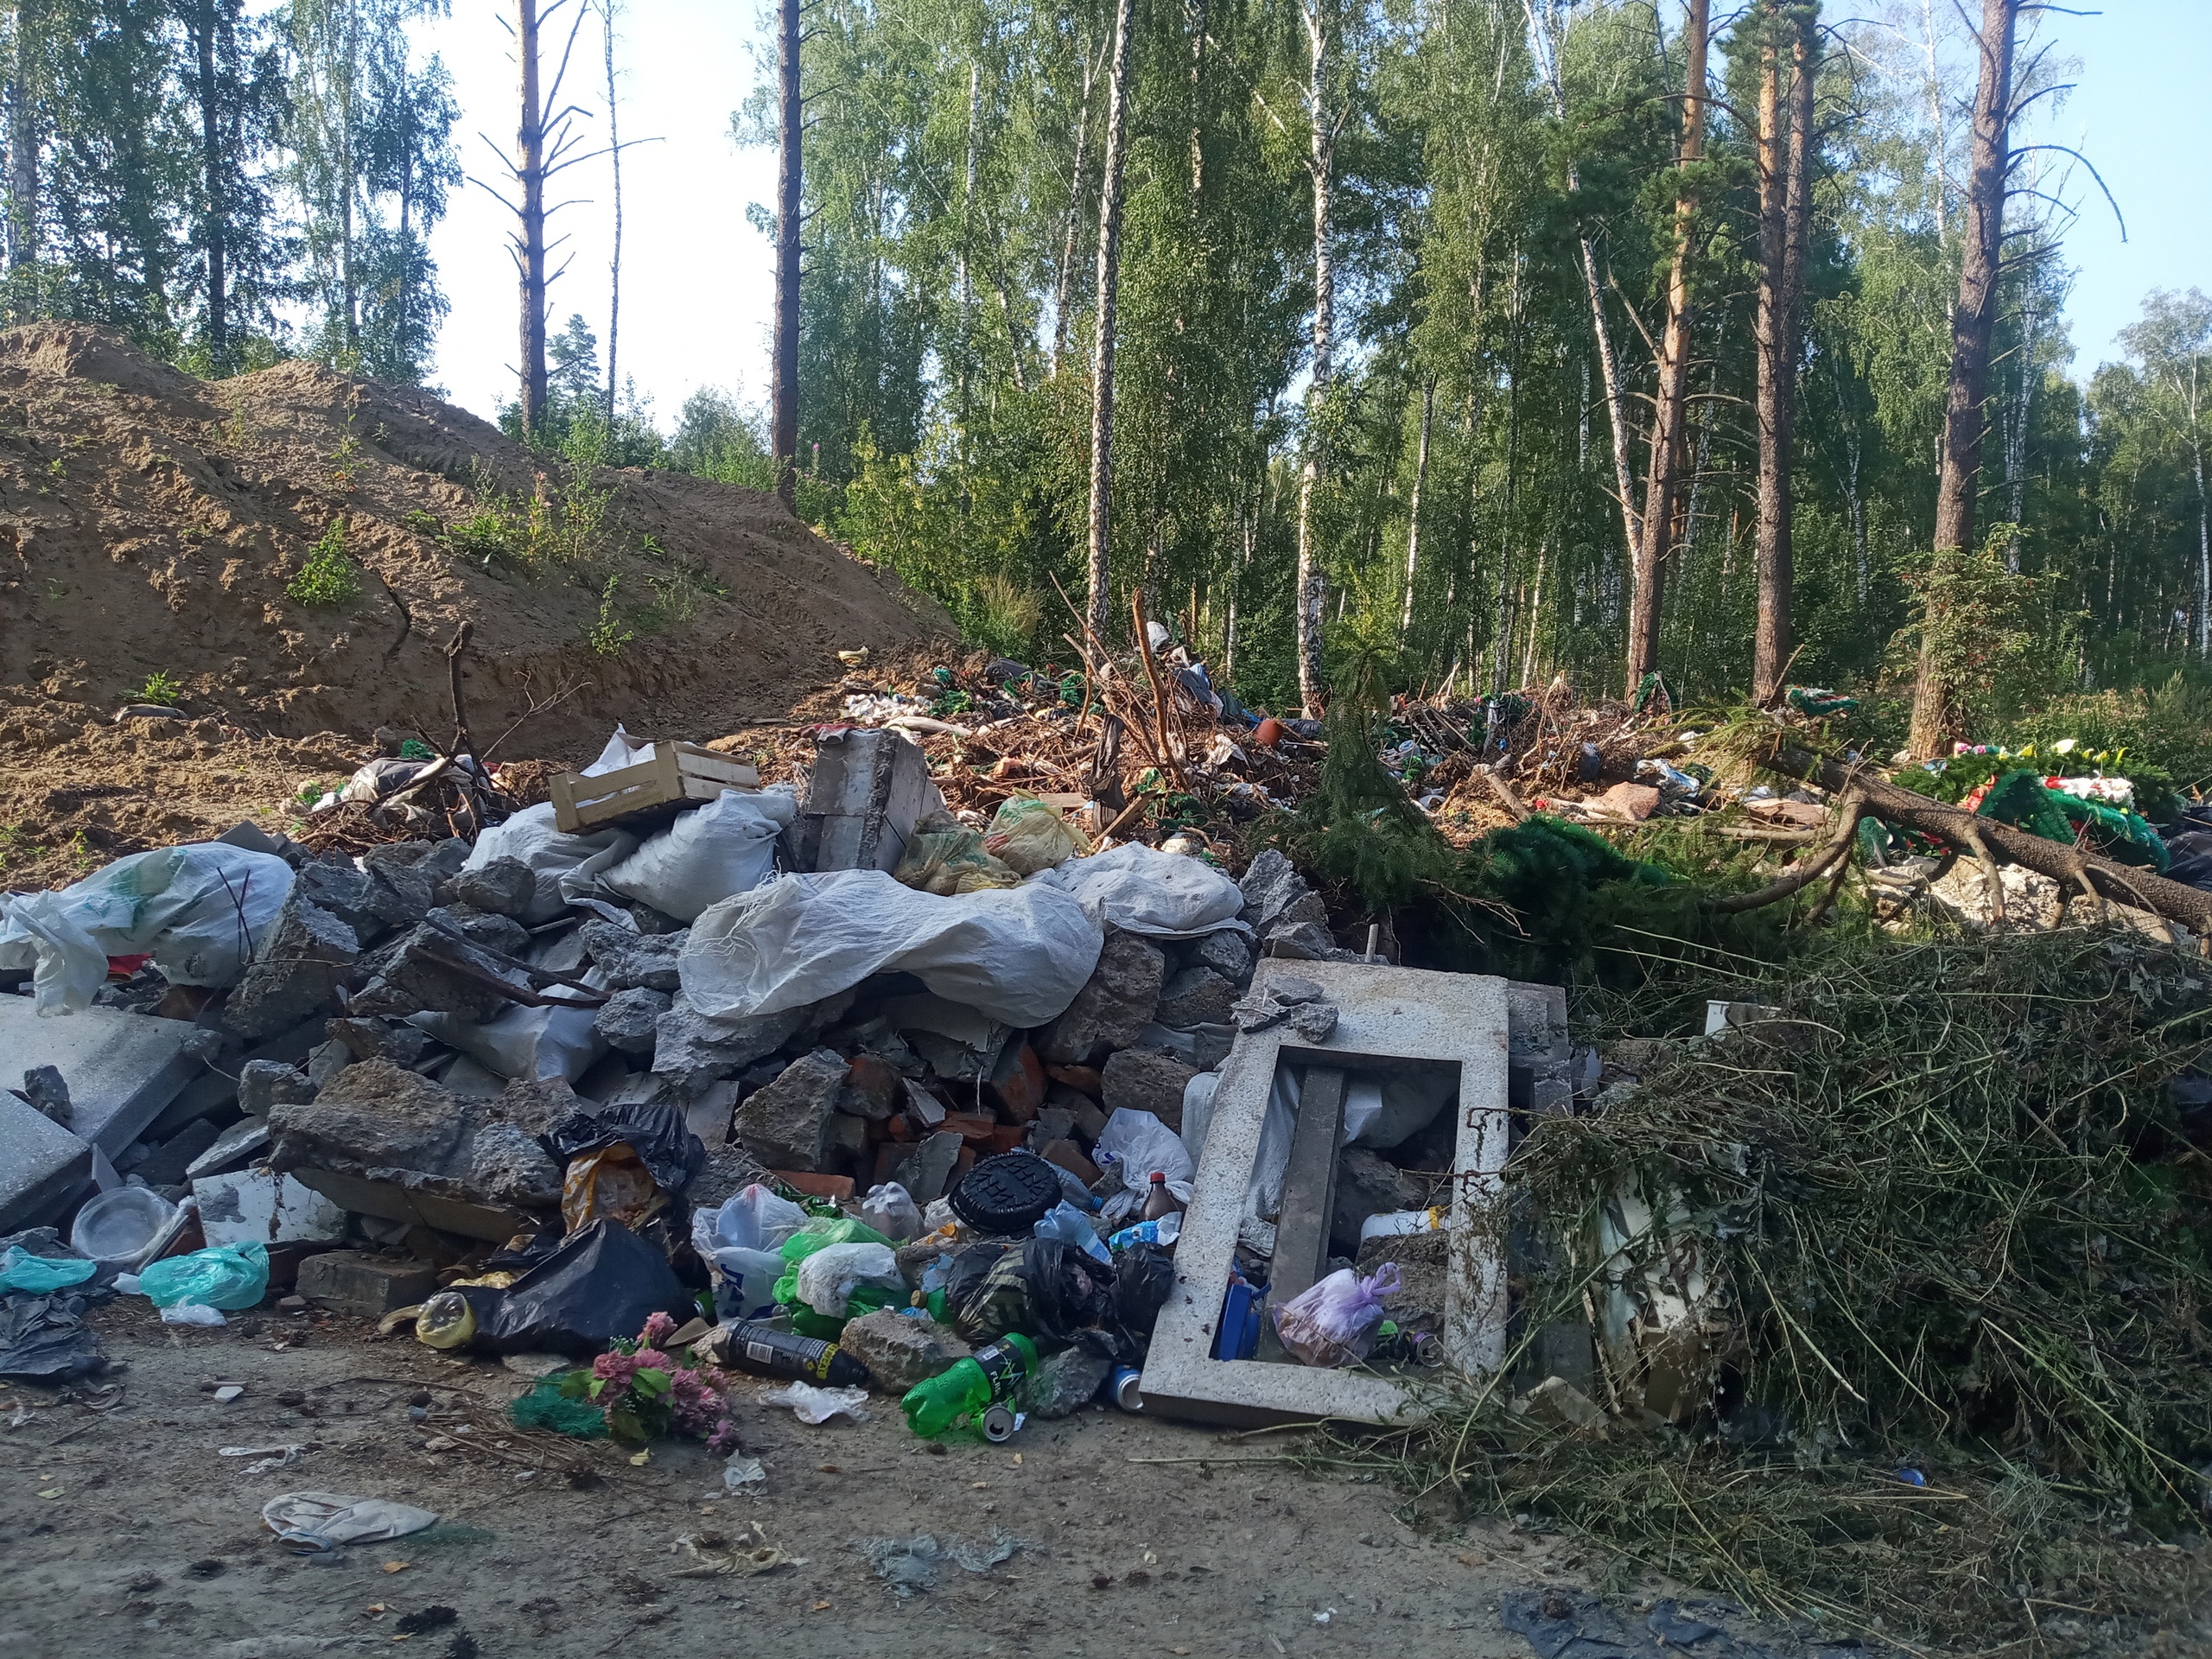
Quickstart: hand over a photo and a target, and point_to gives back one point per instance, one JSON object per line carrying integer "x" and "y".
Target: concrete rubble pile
{"x": 984, "y": 1106}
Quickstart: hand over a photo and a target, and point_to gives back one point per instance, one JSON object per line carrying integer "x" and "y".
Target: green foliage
{"x": 328, "y": 576}
{"x": 609, "y": 635}
{"x": 159, "y": 687}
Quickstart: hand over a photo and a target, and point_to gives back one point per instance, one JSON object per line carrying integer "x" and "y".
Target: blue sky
{"x": 698, "y": 281}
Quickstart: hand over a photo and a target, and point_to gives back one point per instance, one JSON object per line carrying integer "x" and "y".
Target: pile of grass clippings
{"x": 1955, "y": 1227}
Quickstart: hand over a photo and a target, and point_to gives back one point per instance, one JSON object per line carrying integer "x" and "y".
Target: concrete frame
{"x": 1385, "y": 1015}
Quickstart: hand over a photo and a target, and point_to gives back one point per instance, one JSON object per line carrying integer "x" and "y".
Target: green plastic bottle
{"x": 993, "y": 1372}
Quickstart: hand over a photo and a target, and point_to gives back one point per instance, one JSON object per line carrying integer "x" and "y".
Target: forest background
{"x": 1466, "y": 214}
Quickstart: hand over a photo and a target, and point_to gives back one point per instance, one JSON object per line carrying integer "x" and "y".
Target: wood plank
{"x": 1309, "y": 1185}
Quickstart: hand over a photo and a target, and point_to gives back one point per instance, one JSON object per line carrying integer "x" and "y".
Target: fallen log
{"x": 2102, "y": 878}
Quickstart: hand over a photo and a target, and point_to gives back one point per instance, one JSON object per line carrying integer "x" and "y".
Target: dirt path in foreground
{"x": 155, "y": 1545}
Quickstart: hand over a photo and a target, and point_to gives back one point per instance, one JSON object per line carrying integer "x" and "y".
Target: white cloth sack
{"x": 200, "y": 909}
{"x": 525, "y": 1043}
{"x": 566, "y": 866}
{"x": 1018, "y": 954}
{"x": 1197, "y": 1113}
{"x": 726, "y": 846}
{"x": 622, "y": 750}
{"x": 1135, "y": 1143}
{"x": 1163, "y": 895}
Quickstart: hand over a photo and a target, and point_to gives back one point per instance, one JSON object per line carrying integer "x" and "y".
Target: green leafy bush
{"x": 329, "y": 576}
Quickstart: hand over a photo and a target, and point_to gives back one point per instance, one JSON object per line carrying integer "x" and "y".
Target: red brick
{"x": 874, "y": 1088}
{"x": 1017, "y": 1084}
{"x": 1069, "y": 1156}
{"x": 1084, "y": 1080}
{"x": 1006, "y": 1137}
{"x": 972, "y": 1127}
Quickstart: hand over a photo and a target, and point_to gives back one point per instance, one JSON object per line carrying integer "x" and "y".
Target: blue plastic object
{"x": 1240, "y": 1311}
{"x": 224, "y": 1276}
{"x": 21, "y": 1270}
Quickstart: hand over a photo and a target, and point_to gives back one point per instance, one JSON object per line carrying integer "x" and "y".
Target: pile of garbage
{"x": 820, "y": 1079}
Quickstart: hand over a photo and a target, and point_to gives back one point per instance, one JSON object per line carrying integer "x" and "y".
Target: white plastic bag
{"x": 740, "y": 1239}
{"x": 828, "y": 1278}
{"x": 813, "y": 1405}
{"x": 1141, "y": 891}
{"x": 891, "y": 1209}
{"x": 558, "y": 860}
{"x": 726, "y": 846}
{"x": 323, "y": 1520}
{"x": 1197, "y": 1113}
{"x": 1018, "y": 954}
{"x": 200, "y": 909}
{"x": 1333, "y": 1323}
{"x": 1263, "y": 1192}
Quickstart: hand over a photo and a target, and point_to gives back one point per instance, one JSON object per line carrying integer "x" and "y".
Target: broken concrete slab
{"x": 1197, "y": 996}
{"x": 869, "y": 789}
{"x": 364, "y": 1283}
{"x": 900, "y": 1349}
{"x": 218, "y": 1086}
{"x": 787, "y": 1125}
{"x": 691, "y": 1049}
{"x": 629, "y": 1020}
{"x": 121, "y": 1068}
{"x": 506, "y": 887}
{"x": 630, "y": 959}
{"x": 303, "y": 958}
{"x": 168, "y": 1164}
{"x": 1115, "y": 1002}
{"x": 42, "y": 1165}
{"x": 231, "y": 1148}
{"x": 925, "y": 1171}
{"x": 1387, "y": 1016}
{"x": 1148, "y": 1082}
{"x": 264, "y": 1084}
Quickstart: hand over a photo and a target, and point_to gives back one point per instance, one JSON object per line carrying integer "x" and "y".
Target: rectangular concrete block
{"x": 1385, "y": 1016}
{"x": 365, "y": 1284}
{"x": 121, "y": 1068}
{"x": 868, "y": 790}
{"x": 256, "y": 1205}
{"x": 42, "y": 1165}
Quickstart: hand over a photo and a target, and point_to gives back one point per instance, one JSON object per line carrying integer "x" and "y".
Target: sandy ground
{"x": 125, "y": 1533}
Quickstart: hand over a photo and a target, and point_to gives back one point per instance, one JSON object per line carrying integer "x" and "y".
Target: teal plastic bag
{"x": 224, "y": 1276}
{"x": 21, "y": 1270}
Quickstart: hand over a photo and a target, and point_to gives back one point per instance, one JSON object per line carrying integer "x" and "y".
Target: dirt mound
{"x": 161, "y": 525}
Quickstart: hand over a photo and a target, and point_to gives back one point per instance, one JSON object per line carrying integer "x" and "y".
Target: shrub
{"x": 329, "y": 576}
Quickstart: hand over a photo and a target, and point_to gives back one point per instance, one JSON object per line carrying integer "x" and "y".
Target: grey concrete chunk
{"x": 925, "y": 1170}
{"x": 630, "y": 1019}
{"x": 121, "y": 1068}
{"x": 1228, "y": 953}
{"x": 303, "y": 958}
{"x": 692, "y": 1049}
{"x": 487, "y": 927}
{"x": 382, "y": 1039}
{"x": 869, "y": 789}
{"x": 170, "y": 1163}
{"x": 45, "y": 1089}
{"x": 1142, "y": 1081}
{"x": 630, "y": 959}
{"x": 506, "y": 887}
{"x": 901, "y": 1350}
{"x": 534, "y": 1105}
{"x": 413, "y": 977}
{"x": 264, "y": 1084}
{"x": 1197, "y": 996}
{"x": 1065, "y": 1383}
{"x": 787, "y": 1125}
{"x": 373, "y": 1116}
{"x": 507, "y": 1165}
{"x": 1114, "y": 1003}
{"x": 365, "y": 1284}
{"x": 232, "y": 1149}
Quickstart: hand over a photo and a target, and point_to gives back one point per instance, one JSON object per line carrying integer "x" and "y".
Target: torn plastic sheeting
{"x": 1163, "y": 895}
{"x": 566, "y": 866}
{"x": 47, "y": 1338}
{"x": 726, "y": 846}
{"x": 909, "y": 1565}
{"x": 324, "y": 1520}
{"x": 1018, "y": 954}
{"x": 818, "y": 1406}
{"x": 199, "y": 910}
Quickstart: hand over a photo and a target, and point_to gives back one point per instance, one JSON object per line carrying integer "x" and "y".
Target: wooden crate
{"x": 652, "y": 789}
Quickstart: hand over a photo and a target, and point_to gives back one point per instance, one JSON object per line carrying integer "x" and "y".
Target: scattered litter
{"x": 812, "y": 1405}
{"x": 740, "y": 1472}
{"x": 742, "y": 1554}
{"x": 910, "y": 1565}
{"x": 321, "y": 1520}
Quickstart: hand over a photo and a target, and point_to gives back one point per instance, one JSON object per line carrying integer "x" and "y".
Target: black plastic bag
{"x": 1144, "y": 1277}
{"x": 598, "y": 1287}
{"x": 1069, "y": 1290}
{"x": 672, "y": 1156}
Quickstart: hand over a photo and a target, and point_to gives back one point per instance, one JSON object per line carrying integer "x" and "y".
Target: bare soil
{"x": 152, "y": 1543}
{"x": 151, "y": 524}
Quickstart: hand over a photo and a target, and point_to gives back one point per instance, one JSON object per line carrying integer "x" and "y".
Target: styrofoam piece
{"x": 121, "y": 1068}
{"x": 1385, "y": 1015}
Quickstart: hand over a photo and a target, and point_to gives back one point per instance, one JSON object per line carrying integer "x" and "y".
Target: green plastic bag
{"x": 21, "y": 1270}
{"x": 224, "y": 1276}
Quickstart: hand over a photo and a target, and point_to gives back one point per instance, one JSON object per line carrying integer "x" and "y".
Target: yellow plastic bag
{"x": 1029, "y": 835}
{"x": 612, "y": 1181}
{"x": 950, "y": 862}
